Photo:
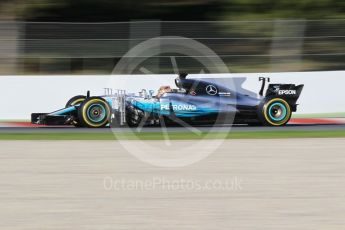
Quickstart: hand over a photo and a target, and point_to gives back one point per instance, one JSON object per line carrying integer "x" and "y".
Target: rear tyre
{"x": 94, "y": 112}
{"x": 274, "y": 112}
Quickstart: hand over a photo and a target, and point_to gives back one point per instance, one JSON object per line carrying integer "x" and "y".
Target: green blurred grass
{"x": 173, "y": 135}
{"x": 320, "y": 115}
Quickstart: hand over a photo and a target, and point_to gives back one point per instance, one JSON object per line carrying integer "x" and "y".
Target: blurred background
{"x": 40, "y": 37}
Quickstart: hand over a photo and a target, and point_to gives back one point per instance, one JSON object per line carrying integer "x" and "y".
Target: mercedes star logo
{"x": 211, "y": 90}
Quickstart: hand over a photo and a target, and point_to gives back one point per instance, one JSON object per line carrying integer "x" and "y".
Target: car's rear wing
{"x": 288, "y": 91}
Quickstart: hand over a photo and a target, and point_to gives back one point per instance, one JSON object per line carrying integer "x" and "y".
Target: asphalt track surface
{"x": 244, "y": 185}
{"x": 235, "y": 128}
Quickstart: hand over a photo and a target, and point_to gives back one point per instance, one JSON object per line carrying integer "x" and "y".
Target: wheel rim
{"x": 277, "y": 111}
{"x": 96, "y": 113}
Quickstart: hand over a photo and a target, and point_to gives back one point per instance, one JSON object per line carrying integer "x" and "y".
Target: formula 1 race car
{"x": 193, "y": 102}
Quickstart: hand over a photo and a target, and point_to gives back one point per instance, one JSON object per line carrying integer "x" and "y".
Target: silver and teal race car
{"x": 193, "y": 102}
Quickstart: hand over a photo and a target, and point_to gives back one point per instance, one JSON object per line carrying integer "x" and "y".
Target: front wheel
{"x": 76, "y": 100}
{"x": 94, "y": 112}
{"x": 274, "y": 112}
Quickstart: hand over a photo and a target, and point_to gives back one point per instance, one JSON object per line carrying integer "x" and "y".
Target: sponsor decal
{"x": 276, "y": 88}
{"x": 225, "y": 94}
{"x": 286, "y": 92}
{"x": 183, "y": 107}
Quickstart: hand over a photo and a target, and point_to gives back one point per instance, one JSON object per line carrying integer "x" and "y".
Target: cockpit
{"x": 167, "y": 89}
{"x": 193, "y": 87}
{"x": 163, "y": 89}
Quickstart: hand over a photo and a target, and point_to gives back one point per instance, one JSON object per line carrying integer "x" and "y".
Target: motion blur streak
{"x": 245, "y": 46}
{"x": 284, "y": 184}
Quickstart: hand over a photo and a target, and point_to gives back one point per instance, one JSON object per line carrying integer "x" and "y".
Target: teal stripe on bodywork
{"x": 155, "y": 107}
{"x": 64, "y": 111}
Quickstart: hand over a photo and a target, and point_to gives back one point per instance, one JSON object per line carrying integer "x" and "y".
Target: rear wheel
{"x": 274, "y": 112}
{"x": 94, "y": 112}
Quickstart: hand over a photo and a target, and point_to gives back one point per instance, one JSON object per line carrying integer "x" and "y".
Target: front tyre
{"x": 94, "y": 112}
{"x": 274, "y": 112}
{"x": 76, "y": 100}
